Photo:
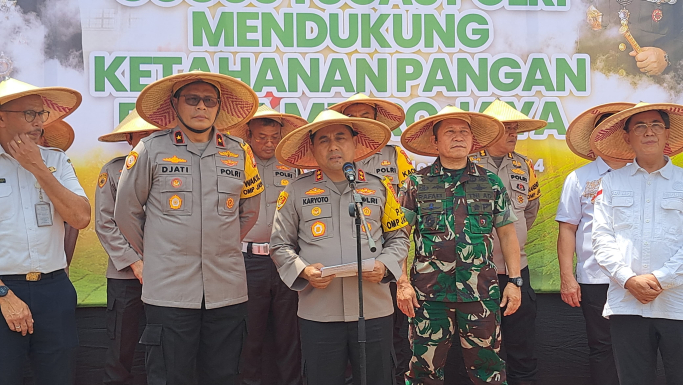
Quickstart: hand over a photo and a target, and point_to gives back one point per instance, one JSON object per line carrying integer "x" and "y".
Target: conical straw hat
{"x": 132, "y": 123}
{"x": 388, "y": 112}
{"x": 60, "y": 101}
{"x": 579, "y": 132}
{"x": 289, "y": 122}
{"x": 58, "y": 134}
{"x": 506, "y": 114}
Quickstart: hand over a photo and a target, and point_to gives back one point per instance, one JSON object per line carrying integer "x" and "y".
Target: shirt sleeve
{"x": 253, "y": 185}
{"x": 407, "y": 198}
{"x": 502, "y": 209}
{"x": 284, "y": 241}
{"x": 67, "y": 176}
{"x": 249, "y": 211}
{"x": 396, "y": 243}
{"x": 569, "y": 207}
{"x": 405, "y": 165}
{"x": 534, "y": 188}
{"x": 114, "y": 243}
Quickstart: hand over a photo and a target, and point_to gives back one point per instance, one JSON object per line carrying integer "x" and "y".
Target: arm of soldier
{"x": 114, "y": 243}
{"x": 503, "y": 218}
{"x": 406, "y": 299}
{"x": 568, "y": 217}
{"x": 250, "y": 199}
{"x": 131, "y": 197}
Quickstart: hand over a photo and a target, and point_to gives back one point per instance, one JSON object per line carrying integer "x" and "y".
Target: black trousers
{"x": 518, "y": 335}
{"x": 635, "y": 341}
{"x": 125, "y": 311}
{"x": 327, "y": 347}
{"x": 401, "y": 341}
{"x": 272, "y": 308}
{"x": 193, "y": 346}
{"x": 601, "y": 359}
{"x": 50, "y": 348}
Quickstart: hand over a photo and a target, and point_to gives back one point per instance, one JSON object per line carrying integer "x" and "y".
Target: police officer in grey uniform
{"x": 186, "y": 198}
{"x": 273, "y": 337}
{"x": 312, "y": 229}
{"x": 124, "y": 269}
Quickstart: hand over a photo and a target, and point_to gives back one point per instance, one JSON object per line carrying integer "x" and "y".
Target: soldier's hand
{"x": 406, "y": 300}
{"x": 570, "y": 291}
{"x": 17, "y": 314}
{"x": 313, "y": 275}
{"x": 25, "y": 151}
{"x": 512, "y": 298}
{"x": 651, "y": 60}
{"x": 137, "y": 268}
{"x": 377, "y": 274}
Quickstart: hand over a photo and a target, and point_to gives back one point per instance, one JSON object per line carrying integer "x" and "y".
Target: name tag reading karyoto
{"x": 43, "y": 214}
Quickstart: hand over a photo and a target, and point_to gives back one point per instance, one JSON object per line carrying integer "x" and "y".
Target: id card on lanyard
{"x": 43, "y": 210}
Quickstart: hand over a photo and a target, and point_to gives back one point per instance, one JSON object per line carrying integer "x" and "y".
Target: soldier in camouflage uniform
{"x": 455, "y": 206}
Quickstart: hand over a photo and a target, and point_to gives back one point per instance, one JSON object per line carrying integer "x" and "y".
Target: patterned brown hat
{"x": 59, "y": 101}
{"x": 289, "y": 122}
{"x": 579, "y": 132}
{"x": 132, "y": 123}
{"x": 388, "y": 112}
{"x": 506, "y": 114}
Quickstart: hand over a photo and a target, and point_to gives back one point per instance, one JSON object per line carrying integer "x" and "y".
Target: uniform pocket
{"x": 622, "y": 212}
{"x": 228, "y": 195}
{"x": 432, "y": 217}
{"x": 112, "y": 318}
{"x": 317, "y": 222}
{"x": 176, "y": 195}
{"x": 480, "y": 224}
{"x": 155, "y": 362}
{"x": 7, "y": 207}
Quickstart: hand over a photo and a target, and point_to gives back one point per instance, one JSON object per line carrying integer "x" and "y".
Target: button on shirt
{"x": 638, "y": 229}
{"x": 576, "y": 207}
{"x": 25, "y": 246}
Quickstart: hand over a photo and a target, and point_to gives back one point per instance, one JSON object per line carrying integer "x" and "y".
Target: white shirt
{"x": 638, "y": 229}
{"x": 25, "y": 246}
{"x": 576, "y": 207}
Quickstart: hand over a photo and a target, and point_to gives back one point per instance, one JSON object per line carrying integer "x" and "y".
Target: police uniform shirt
{"x": 391, "y": 162}
{"x": 186, "y": 212}
{"x": 26, "y": 247}
{"x": 275, "y": 177}
{"x": 121, "y": 254}
{"x": 521, "y": 183}
{"x": 312, "y": 225}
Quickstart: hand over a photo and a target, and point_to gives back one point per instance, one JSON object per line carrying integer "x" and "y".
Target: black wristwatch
{"x": 3, "y": 291}
{"x": 517, "y": 281}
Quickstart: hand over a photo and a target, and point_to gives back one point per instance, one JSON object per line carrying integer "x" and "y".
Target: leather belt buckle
{"x": 260, "y": 249}
{"x": 33, "y": 277}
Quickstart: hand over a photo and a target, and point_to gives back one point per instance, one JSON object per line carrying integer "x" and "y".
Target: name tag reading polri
{"x": 43, "y": 214}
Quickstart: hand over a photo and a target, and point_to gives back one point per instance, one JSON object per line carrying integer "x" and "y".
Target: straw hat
{"x": 579, "y": 131}
{"x": 60, "y": 101}
{"x": 506, "y": 114}
{"x": 238, "y": 101}
{"x": 295, "y": 149}
{"x": 608, "y": 140}
{"x": 58, "y": 134}
{"x": 289, "y": 122}
{"x": 486, "y": 130}
{"x": 388, "y": 112}
{"x": 132, "y": 123}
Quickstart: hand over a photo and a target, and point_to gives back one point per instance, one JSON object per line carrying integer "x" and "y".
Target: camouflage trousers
{"x": 432, "y": 332}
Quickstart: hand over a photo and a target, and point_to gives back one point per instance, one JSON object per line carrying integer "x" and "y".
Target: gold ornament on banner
{"x": 594, "y": 18}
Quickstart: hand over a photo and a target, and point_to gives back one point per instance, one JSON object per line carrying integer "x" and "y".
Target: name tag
{"x": 43, "y": 214}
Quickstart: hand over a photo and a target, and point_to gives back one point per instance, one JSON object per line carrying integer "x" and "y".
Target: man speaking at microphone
{"x": 312, "y": 229}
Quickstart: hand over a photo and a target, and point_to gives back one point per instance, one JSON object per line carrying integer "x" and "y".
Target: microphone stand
{"x": 355, "y": 210}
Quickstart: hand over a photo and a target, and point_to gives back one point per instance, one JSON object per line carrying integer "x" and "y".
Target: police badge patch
{"x": 102, "y": 179}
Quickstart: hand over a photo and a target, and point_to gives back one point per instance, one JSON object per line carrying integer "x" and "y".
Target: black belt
{"x": 32, "y": 277}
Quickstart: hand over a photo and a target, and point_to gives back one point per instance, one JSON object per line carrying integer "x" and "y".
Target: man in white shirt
{"x": 588, "y": 289}
{"x": 39, "y": 191}
{"x": 638, "y": 240}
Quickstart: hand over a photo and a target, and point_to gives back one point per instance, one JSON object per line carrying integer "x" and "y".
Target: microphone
{"x": 349, "y": 172}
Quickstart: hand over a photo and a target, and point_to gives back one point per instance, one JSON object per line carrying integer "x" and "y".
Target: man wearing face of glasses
{"x": 186, "y": 198}
{"x": 39, "y": 191}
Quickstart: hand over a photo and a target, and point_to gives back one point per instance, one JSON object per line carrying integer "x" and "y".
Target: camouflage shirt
{"x": 454, "y": 213}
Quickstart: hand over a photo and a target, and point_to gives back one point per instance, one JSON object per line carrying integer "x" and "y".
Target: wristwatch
{"x": 517, "y": 281}
{"x": 3, "y": 291}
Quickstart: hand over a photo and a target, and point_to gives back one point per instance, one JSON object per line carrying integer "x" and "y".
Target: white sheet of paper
{"x": 348, "y": 269}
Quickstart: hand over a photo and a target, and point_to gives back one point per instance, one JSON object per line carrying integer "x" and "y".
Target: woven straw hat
{"x": 506, "y": 114}
{"x": 60, "y": 101}
{"x": 295, "y": 149}
{"x": 58, "y": 134}
{"x": 580, "y": 129}
{"x": 388, "y": 112}
{"x": 132, "y": 123}
{"x": 608, "y": 140}
{"x": 238, "y": 101}
{"x": 486, "y": 130}
{"x": 289, "y": 122}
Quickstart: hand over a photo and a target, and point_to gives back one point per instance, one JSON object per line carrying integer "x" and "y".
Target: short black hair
{"x": 353, "y": 132}
{"x": 664, "y": 115}
{"x": 176, "y": 94}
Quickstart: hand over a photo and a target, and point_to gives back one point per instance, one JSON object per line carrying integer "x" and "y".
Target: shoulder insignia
{"x": 102, "y": 179}
{"x": 366, "y": 191}
{"x": 518, "y": 171}
{"x": 228, "y": 154}
{"x": 283, "y": 167}
{"x": 179, "y": 137}
{"x": 318, "y": 175}
{"x": 482, "y": 153}
{"x": 219, "y": 140}
{"x": 229, "y": 162}
{"x": 131, "y": 160}
{"x": 361, "y": 175}
{"x": 314, "y": 191}
{"x": 282, "y": 199}
{"x": 516, "y": 163}
{"x": 174, "y": 159}
{"x": 385, "y": 163}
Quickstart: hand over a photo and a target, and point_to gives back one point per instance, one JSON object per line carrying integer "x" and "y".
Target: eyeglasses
{"x": 30, "y": 115}
{"x": 641, "y": 128}
{"x": 193, "y": 100}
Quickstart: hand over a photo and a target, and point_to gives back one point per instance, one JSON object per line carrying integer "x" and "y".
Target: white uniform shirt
{"x": 25, "y": 246}
{"x": 638, "y": 229}
{"x": 576, "y": 207}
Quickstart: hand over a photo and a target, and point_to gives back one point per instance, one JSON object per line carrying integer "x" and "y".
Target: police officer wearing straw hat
{"x": 312, "y": 229}
{"x": 187, "y": 197}
{"x": 39, "y": 191}
{"x": 391, "y": 162}
{"x": 587, "y": 288}
{"x": 124, "y": 269}
{"x": 271, "y": 302}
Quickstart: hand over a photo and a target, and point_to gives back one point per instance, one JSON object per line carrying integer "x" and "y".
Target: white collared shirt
{"x": 638, "y": 229}
{"x": 25, "y": 246}
{"x": 576, "y": 207}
